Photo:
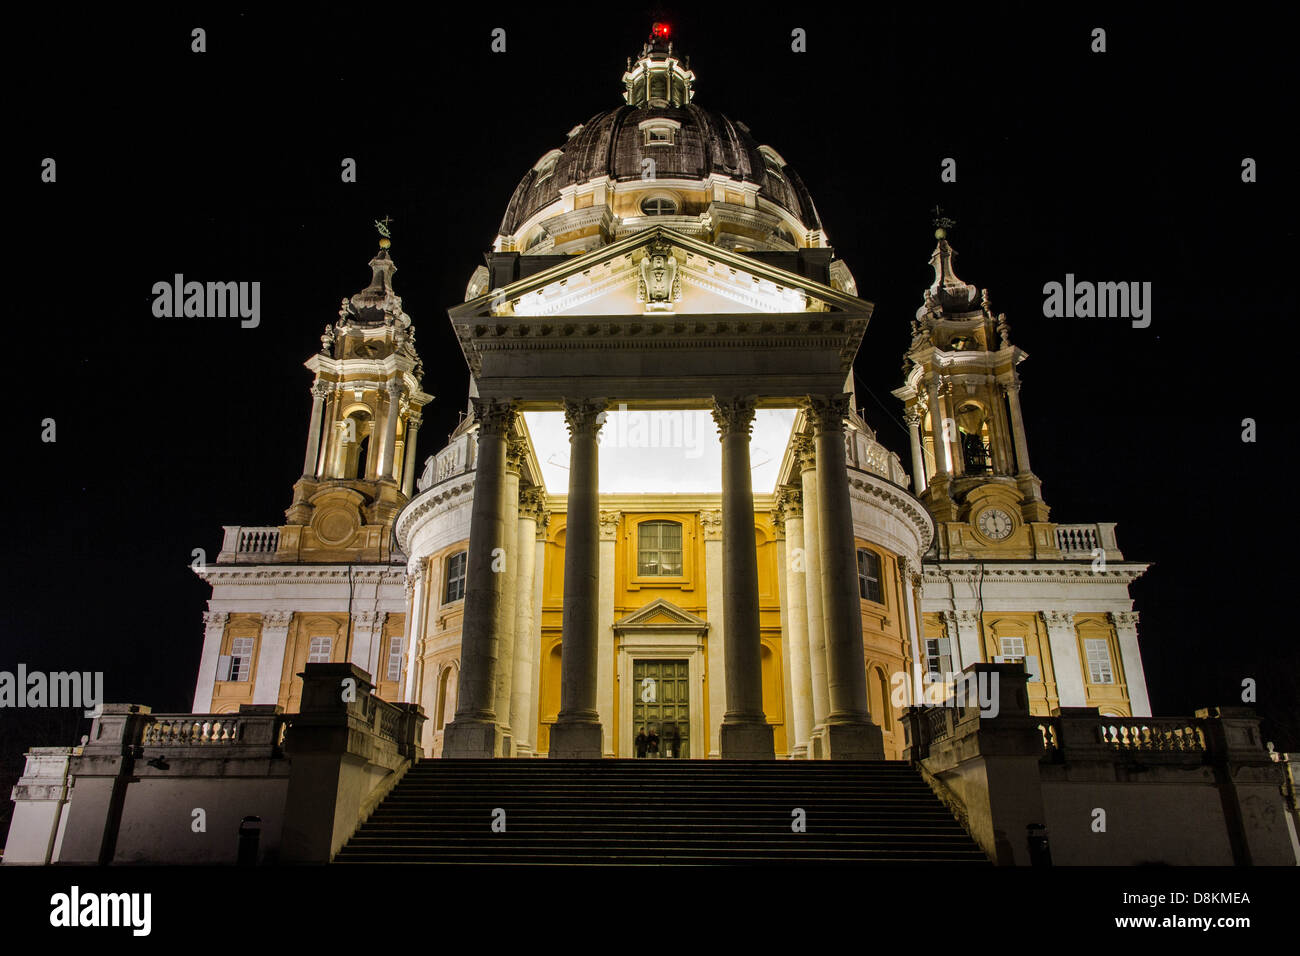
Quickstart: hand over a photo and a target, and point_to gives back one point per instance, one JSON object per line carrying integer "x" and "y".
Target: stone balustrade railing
{"x": 1086, "y": 540}
{"x": 243, "y": 543}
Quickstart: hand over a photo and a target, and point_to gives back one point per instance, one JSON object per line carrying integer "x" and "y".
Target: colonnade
{"x": 493, "y": 636}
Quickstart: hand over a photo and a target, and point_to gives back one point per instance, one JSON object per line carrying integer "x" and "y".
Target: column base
{"x": 524, "y": 750}
{"x": 854, "y": 741}
{"x": 471, "y": 739}
{"x": 576, "y": 740}
{"x": 747, "y": 741}
{"x": 800, "y": 752}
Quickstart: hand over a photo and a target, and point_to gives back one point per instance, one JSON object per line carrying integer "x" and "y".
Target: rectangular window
{"x": 1013, "y": 647}
{"x": 395, "y": 657}
{"x": 241, "y": 658}
{"x": 456, "y": 576}
{"x": 869, "y": 576}
{"x": 659, "y": 549}
{"x": 320, "y": 650}
{"x": 1099, "y": 669}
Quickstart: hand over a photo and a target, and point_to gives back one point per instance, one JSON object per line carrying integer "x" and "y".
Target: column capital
{"x": 584, "y": 416}
{"x": 1058, "y": 618}
{"x": 414, "y": 420}
{"x": 495, "y": 417}
{"x": 516, "y": 452}
{"x": 827, "y": 412}
{"x": 276, "y": 618}
{"x": 912, "y": 415}
{"x": 215, "y": 618}
{"x": 1123, "y": 618}
{"x": 532, "y": 502}
{"x": 789, "y": 501}
{"x": 322, "y": 390}
{"x": 711, "y": 525}
{"x": 609, "y": 525}
{"x": 734, "y": 414}
{"x": 805, "y": 452}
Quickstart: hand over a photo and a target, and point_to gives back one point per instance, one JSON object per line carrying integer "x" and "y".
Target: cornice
{"x": 429, "y": 501}
{"x": 868, "y": 486}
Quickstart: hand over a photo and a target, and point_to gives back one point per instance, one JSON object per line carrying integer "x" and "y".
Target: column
{"x": 998, "y": 430}
{"x": 390, "y": 430}
{"x": 796, "y": 602}
{"x": 577, "y": 732}
{"x": 508, "y": 568}
{"x": 1018, "y": 428}
{"x": 1125, "y": 624}
{"x": 938, "y": 434}
{"x": 850, "y": 734}
{"x": 968, "y": 638}
{"x": 1066, "y": 666}
{"x": 609, "y": 522}
{"x": 408, "y": 452}
{"x": 417, "y": 586}
{"x": 371, "y": 659}
{"x": 523, "y": 722}
{"x": 270, "y": 656}
{"x": 909, "y": 578}
{"x": 539, "y": 592}
{"x": 474, "y": 731}
{"x": 812, "y": 562}
{"x": 214, "y": 631}
{"x": 711, "y": 528}
{"x": 318, "y": 392}
{"x": 913, "y": 418}
{"x": 322, "y": 469}
{"x": 745, "y": 732}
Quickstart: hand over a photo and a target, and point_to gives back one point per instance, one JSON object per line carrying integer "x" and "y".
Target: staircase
{"x": 662, "y": 811}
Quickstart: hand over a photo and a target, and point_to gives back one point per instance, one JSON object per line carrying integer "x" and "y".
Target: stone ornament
{"x": 609, "y": 525}
{"x": 584, "y": 416}
{"x": 495, "y": 417}
{"x": 827, "y": 412}
{"x": 711, "y": 525}
{"x": 733, "y": 414}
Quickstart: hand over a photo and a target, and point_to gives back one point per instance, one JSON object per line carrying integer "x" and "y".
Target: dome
{"x": 705, "y": 143}
{"x": 659, "y": 159}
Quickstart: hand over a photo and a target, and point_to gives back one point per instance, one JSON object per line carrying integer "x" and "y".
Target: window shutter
{"x": 1031, "y": 666}
{"x": 223, "y": 666}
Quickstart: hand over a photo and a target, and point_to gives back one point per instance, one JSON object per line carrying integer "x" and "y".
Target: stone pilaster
{"x": 1066, "y": 666}
{"x": 214, "y": 632}
{"x": 609, "y": 524}
{"x": 417, "y": 590}
{"x": 1125, "y": 624}
{"x": 745, "y": 733}
{"x": 577, "y": 732}
{"x": 474, "y": 731}
{"x": 850, "y": 734}
{"x": 270, "y": 656}
{"x": 711, "y": 529}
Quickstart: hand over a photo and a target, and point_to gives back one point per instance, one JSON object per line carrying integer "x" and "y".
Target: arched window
{"x": 658, "y": 206}
{"x": 886, "y": 707}
{"x": 444, "y": 682}
{"x": 455, "y": 589}
{"x": 973, "y": 432}
{"x": 356, "y": 445}
{"x": 659, "y": 549}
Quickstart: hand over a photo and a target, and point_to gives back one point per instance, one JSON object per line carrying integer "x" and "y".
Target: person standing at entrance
{"x": 652, "y": 743}
{"x": 641, "y": 743}
{"x": 675, "y": 741}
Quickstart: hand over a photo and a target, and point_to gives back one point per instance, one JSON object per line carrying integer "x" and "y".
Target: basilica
{"x": 662, "y": 512}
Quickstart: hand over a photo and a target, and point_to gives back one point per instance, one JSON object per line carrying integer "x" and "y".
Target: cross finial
{"x": 382, "y": 226}
{"x": 941, "y": 223}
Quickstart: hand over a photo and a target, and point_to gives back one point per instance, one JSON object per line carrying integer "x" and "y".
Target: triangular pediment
{"x": 659, "y": 272}
{"x": 662, "y": 613}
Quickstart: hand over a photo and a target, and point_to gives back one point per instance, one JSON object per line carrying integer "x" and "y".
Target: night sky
{"x": 1122, "y": 166}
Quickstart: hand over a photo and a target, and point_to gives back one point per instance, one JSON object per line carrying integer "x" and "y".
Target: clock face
{"x": 995, "y": 523}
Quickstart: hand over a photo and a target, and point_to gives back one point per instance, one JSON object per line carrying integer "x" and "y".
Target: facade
{"x": 663, "y": 510}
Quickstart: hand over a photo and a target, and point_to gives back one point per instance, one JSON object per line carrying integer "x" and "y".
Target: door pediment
{"x": 661, "y": 615}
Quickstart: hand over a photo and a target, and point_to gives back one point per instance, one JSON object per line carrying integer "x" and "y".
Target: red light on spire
{"x": 659, "y": 30}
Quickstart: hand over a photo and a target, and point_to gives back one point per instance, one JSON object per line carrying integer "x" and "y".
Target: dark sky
{"x": 225, "y": 165}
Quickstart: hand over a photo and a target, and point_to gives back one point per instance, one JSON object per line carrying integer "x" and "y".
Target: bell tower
{"x": 970, "y": 455}
{"x": 359, "y": 467}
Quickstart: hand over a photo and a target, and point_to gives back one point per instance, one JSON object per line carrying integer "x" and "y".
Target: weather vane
{"x": 941, "y": 222}
{"x": 382, "y": 226}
